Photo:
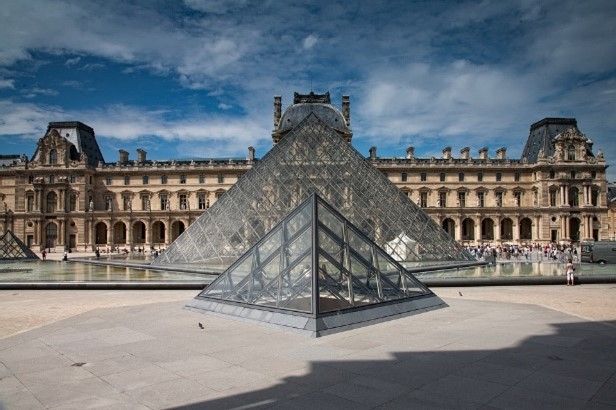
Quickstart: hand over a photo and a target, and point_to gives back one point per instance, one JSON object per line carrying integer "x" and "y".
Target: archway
{"x": 158, "y": 232}
{"x": 506, "y": 229}
{"x": 487, "y": 229}
{"x": 526, "y": 229}
{"x": 177, "y": 229}
{"x": 119, "y": 233}
{"x": 138, "y": 233}
{"x": 468, "y": 229}
{"x": 450, "y": 227}
{"x": 51, "y": 235}
{"x": 101, "y": 233}
{"x": 52, "y": 202}
{"x": 574, "y": 229}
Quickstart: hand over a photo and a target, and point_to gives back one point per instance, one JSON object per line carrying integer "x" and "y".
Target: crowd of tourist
{"x": 525, "y": 253}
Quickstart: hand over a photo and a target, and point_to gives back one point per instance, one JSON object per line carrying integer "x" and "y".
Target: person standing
{"x": 569, "y": 268}
{"x": 44, "y": 254}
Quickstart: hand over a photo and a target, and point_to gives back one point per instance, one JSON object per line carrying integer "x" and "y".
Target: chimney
{"x": 465, "y": 153}
{"x": 483, "y": 153}
{"x": 141, "y": 155}
{"x": 123, "y": 157}
{"x": 372, "y": 153}
{"x": 251, "y": 154}
{"x": 410, "y": 152}
{"x": 277, "y": 110}
{"x": 346, "y": 109}
{"x": 447, "y": 153}
{"x": 501, "y": 153}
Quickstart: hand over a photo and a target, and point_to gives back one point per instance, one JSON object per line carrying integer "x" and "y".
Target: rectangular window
{"x": 480, "y": 176}
{"x": 126, "y": 203}
{"x": 202, "y": 179}
{"x": 460, "y": 176}
{"x": 423, "y": 199}
{"x": 163, "y": 179}
{"x": 499, "y": 176}
{"x": 73, "y": 202}
{"x": 164, "y": 202}
{"x": 553, "y": 198}
{"x": 183, "y": 201}
{"x": 72, "y": 179}
{"x": 126, "y": 180}
{"x": 481, "y": 199}
{"x": 108, "y": 181}
{"x": 552, "y": 174}
{"x": 182, "y": 179}
{"x": 516, "y": 176}
{"x": 221, "y": 179}
{"x": 423, "y": 177}
{"x": 593, "y": 174}
{"x": 30, "y": 203}
{"x": 594, "y": 197}
{"x": 202, "y": 201}
{"x": 219, "y": 194}
{"x": 461, "y": 199}
{"x": 404, "y": 177}
{"x": 442, "y": 199}
{"x": 499, "y": 199}
{"x": 145, "y": 203}
{"x": 442, "y": 177}
{"x": 51, "y": 179}
{"x": 30, "y": 179}
{"x": 145, "y": 180}
{"x": 573, "y": 174}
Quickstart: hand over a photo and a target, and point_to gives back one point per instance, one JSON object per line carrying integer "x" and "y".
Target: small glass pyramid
{"x": 315, "y": 264}
{"x": 11, "y": 247}
{"x": 311, "y": 158}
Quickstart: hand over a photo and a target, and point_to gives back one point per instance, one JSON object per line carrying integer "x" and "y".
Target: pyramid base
{"x": 324, "y": 324}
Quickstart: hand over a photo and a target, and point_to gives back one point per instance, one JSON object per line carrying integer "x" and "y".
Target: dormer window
{"x": 571, "y": 153}
{"x": 53, "y": 157}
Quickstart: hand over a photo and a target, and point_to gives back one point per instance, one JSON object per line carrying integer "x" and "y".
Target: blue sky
{"x": 197, "y": 78}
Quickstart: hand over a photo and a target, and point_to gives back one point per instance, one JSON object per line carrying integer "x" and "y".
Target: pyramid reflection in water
{"x": 311, "y": 158}
{"x": 316, "y": 273}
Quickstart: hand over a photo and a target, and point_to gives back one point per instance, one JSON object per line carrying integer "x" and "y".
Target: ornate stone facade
{"x": 68, "y": 196}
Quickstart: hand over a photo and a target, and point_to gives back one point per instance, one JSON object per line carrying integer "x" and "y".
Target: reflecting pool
{"x": 525, "y": 269}
{"x": 17, "y": 271}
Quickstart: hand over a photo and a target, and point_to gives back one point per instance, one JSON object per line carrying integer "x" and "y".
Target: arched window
{"x": 53, "y": 157}
{"x": 52, "y": 201}
{"x": 571, "y": 153}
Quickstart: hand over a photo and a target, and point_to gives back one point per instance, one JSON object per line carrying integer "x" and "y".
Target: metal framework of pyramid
{"x": 315, "y": 272}
{"x": 311, "y": 158}
{"x": 11, "y": 248}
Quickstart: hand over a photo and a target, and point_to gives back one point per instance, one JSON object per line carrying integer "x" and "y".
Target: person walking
{"x": 44, "y": 254}
{"x": 569, "y": 268}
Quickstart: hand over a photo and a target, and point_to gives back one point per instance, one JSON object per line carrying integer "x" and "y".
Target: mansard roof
{"x": 81, "y": 136}
{"x": 542, "y": 134}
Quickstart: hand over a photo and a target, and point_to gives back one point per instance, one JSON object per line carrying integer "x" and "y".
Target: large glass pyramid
{"x": 311, "y": 158}
{"x": 11, "y": 247}
{"x": 318, "y": 273}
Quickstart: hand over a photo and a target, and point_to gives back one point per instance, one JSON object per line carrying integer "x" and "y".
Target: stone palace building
{"x": 68, "y": 196}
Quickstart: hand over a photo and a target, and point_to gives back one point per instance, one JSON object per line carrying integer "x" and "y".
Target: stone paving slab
{"x": 474, "y": 354}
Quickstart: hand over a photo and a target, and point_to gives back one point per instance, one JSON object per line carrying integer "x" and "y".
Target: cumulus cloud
{"x": 7, "y": 83}
{"x": 310, "y": 41}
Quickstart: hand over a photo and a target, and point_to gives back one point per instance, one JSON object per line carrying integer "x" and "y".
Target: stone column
{"x": 562, "y": 195}
{"x": 148, "y": 235}
{"x": 129, "y": 234}
{"x": 61, "y": 226}
{"x": 497, "y": 232}
{"x": 477, "y": 229}
{"x": 516, "y": 229}
{"x": 458, "y": 229}
{"x": 537, "y": 235}
{"x": 566, "y": 196}
{"x": 92, "y": 235}
{"x": 110, "y": 234}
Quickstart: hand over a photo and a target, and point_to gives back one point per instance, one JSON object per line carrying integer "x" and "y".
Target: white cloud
{"x": 36, "y": 91}
{"x": 7, "y": 83}
{"x": 72, "y": 61}
{"x": 310, "y": 41}
{"x": 224, "y": 106}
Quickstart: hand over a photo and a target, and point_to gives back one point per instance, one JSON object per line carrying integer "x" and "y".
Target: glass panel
{"x": 270, "y": 245}
{"x": 330, "y": 221}
{"x": 360, "y": 246}
{"x": 300, "y": 245}
{"x": 299, "y": 221}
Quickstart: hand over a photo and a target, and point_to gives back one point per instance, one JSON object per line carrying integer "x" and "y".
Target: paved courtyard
{"x": 486, "y": 350}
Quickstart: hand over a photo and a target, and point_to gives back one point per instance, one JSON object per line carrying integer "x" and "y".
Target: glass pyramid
{"x": 311, "y": 158}
{"x": 11, "y": 247}
{"x": 316, "y": 264}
